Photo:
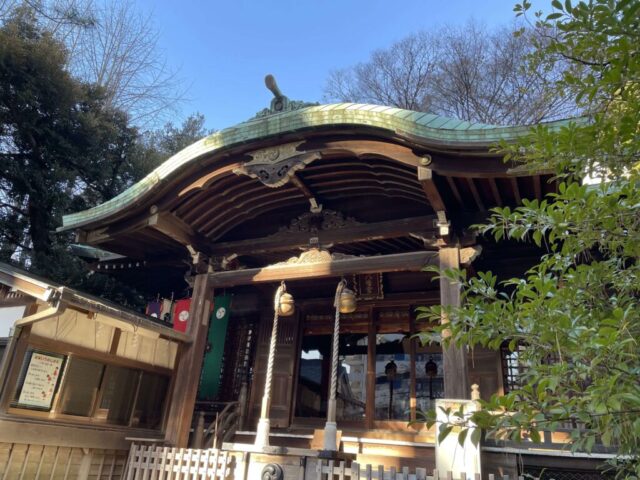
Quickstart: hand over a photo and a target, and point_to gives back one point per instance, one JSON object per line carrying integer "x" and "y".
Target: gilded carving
{"x": 314, "y": 255}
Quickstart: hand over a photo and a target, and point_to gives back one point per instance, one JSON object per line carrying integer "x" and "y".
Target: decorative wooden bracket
{"x": 178, "y": 230}
{"x": 425, "y": 177}
{"x": 469, "y": 254}
{"x": 275, "y": 166}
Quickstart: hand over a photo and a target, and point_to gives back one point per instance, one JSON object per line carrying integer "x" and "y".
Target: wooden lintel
{"x": 425, "y": 177}
{"x": 400, "y": 262}
{"x": 356, "y": 233}
{"x": 179, "y": 231}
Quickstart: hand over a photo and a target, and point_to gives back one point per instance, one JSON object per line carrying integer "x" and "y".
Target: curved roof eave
{"x": 431, "y": 129}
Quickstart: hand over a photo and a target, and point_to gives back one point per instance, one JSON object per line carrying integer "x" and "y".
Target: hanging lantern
{"x": 286, "y": 305}
{"x": 347, "y": 301}
{"x": 390, "y": 370}
{"x": 431, "y": 368}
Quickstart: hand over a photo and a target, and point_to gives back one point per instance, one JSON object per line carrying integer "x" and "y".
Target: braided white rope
{"x": 336, "y": 338}
{"x": 274, "y": 338}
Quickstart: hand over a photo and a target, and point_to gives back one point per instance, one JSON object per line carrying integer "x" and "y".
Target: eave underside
{"x": 372, "y": 184}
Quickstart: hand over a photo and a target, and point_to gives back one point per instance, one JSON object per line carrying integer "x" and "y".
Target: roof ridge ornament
{"x": 280, "y": 103}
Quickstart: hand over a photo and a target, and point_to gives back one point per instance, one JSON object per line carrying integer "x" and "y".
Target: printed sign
{"x": 40, "y": 381}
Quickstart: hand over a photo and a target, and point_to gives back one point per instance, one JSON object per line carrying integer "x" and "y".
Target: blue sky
{"x": 225, "y": 48}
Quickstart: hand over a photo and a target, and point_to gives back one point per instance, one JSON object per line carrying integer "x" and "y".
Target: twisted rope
{"x": 274, "y": 338}
{"x": 336, "y": 338}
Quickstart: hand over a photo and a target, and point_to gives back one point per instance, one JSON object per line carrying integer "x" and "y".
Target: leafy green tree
{"x": 574, "y": 319}
{"x": 170, "y": 139}
{"x": 62, "y": 148}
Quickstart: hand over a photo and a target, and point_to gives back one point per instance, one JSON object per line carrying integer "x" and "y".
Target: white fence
{"x": 160, "y": 463}
{"x": 330, "y": 470}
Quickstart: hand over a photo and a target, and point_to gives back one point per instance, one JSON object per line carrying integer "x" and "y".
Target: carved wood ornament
{"x": 315, "y": 222}
{"x": 274, "y": 166}
{"x": 313, "y": 255}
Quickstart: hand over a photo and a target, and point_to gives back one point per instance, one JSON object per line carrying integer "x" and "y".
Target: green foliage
{"x": 575, "y": 315}
{"x": 163, "y": 143}
{"x": 64, "y": 148}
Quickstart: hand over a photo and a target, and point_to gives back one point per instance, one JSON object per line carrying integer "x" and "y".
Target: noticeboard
{"x": 40, "y": 381}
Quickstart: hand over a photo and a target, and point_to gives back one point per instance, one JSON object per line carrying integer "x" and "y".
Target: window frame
{"x": 375, "y": 321}
{"x": 69, "y": 351}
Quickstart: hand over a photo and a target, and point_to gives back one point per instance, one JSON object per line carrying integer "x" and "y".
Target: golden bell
{"x": 348, "y": 303}
{"x": 286, "y": 307}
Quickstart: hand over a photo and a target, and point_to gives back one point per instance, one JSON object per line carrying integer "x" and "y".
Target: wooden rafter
{"x": 516, "y": 190}
{"x": 454, "y": 190}
{"x": 347, "y": 234}
{"x": 412, "y": 261}
{"x": 425, "y": 177}
{"x": 495, "y": 192}
{"x": 179, "y": 231}
{"x": 475, "y": 193}
{"x": 306, "y": 191}
{"x": 537, "y": 187}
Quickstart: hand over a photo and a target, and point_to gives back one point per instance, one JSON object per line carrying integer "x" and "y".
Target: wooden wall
{"x": 485, "y": 370}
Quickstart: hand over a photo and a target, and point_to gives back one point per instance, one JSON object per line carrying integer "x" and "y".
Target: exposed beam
{"x": 400, "y": 262}
{"x": 357, "y": 233}
{"x": 496, "y": 193}
{"x": 516, "y": 190}
{"x": 475, "y": 193}
{"x": 306, "y": 191}
{"x": 425, "y": 177}
{"x": 537, "y": 187}
{"x": 455, "y": 191}
{"x": 179, "y": 231}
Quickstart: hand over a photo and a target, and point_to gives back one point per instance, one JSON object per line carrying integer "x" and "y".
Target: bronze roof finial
{"x": 279, "y": 102}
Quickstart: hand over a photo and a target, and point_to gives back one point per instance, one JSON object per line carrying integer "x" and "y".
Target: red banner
{"x": 181, "y": 314}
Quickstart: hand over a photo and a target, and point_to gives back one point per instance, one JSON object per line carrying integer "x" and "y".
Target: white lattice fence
{"x": 153, "y": 462}
{"x": 330, "y": 470}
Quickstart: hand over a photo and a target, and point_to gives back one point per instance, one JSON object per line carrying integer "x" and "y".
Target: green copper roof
{"x": 427, "y": 128}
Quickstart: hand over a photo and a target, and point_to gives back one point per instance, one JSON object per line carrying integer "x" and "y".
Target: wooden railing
{"x": 224, "y": 425}
{"x": 331, "y": 469}
{"x": 183, "y": 463}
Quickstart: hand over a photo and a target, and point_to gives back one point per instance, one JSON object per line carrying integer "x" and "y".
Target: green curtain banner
{"x": 212, "y": 363}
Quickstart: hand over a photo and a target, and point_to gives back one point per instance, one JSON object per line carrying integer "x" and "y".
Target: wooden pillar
{"x": 454, "y": 359}
{"x": 370, "y": 407}
{"x": 413, "y": 401}
{"x": 189, "y": 364}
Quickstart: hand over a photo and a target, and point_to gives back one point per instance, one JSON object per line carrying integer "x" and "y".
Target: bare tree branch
{"x": 468, "y": 72}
